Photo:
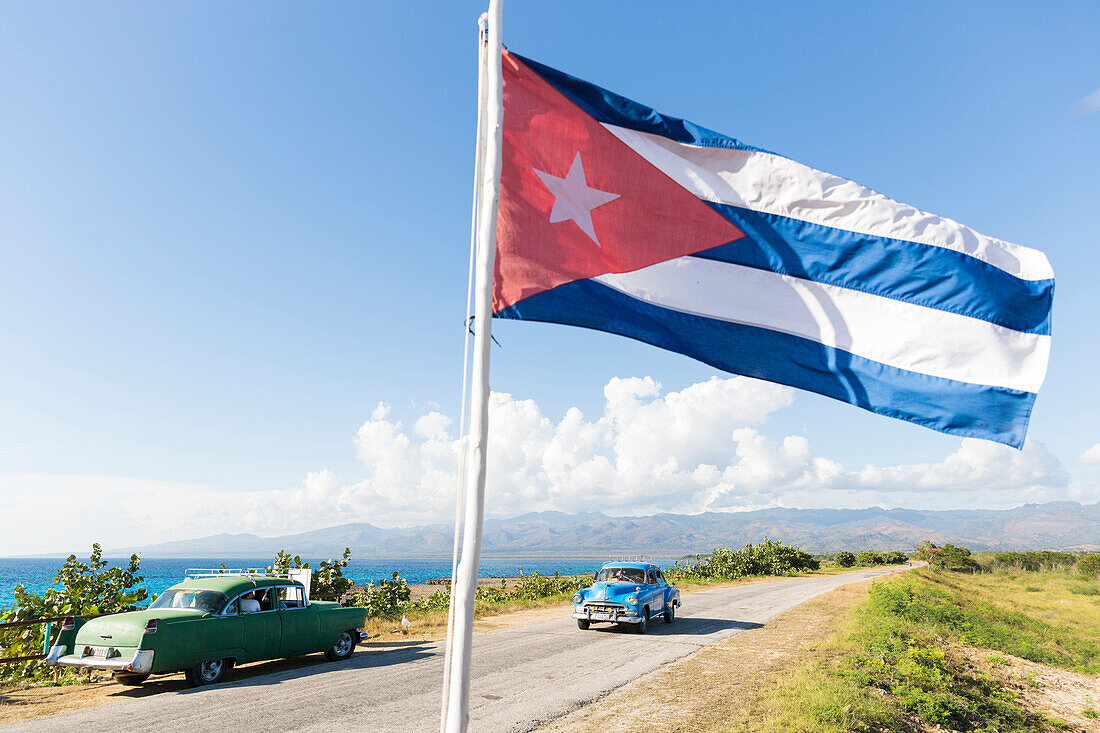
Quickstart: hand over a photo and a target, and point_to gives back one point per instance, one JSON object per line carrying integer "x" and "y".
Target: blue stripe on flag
{"x": 959, "y": 408}
{"x": 615, "y": 109}
{"x": 915, "y": 273}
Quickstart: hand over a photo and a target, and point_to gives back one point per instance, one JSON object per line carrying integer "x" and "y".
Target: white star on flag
{"x": 573, "y": 199}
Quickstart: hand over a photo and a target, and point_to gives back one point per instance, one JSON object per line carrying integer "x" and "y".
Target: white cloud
{"x": 685, "y": 451}
{"x": 1090, "y": 456}
{"x": 1086, "y": 106}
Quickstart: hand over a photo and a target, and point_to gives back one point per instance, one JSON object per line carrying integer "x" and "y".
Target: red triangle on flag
{"x": 577, "y": 202}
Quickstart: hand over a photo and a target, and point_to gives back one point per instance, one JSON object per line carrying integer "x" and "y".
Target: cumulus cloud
{"x": 1090, "y": 456}
{"x": 648, "y": 450}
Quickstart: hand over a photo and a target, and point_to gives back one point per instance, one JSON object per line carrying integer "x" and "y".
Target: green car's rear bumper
{"x": 140, "y": 661}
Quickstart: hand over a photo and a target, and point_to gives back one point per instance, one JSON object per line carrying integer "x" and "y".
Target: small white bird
{"x": 405, "y": 624}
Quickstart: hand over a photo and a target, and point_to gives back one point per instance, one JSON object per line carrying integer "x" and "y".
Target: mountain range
{"x": 1053, "y": 525}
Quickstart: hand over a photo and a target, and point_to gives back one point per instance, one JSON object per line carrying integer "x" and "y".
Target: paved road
{"x": 522, "y": 676}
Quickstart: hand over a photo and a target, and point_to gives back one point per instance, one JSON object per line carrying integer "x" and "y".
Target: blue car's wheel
{"x": 583, "y": 624}
{"x": 670, "y": 614}
{"x": 642, "y": 625}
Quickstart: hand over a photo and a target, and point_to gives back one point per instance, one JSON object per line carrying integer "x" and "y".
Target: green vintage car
{"x": 208, "y": 623}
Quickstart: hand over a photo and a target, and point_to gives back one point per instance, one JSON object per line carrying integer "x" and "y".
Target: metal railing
{"x": 49, "y": 633}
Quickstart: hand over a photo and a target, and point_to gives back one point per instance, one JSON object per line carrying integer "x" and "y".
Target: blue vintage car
{"x": 627, "y": 593}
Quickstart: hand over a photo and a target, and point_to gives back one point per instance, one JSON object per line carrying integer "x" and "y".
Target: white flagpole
{"x": 458, "y": 710}
{"x": 479, "y": 151}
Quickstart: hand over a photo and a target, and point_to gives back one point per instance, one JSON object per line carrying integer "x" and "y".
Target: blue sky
{"x": 228, "y": 232}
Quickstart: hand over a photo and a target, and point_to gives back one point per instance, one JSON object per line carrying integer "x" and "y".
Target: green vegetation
{"x": 948, "y": 557}
{"x": 869, "y": 558}
{"x": 844, "y": 559}
{"x": 906, "y": 654}
{"x": 327, "y": 581}
{"x": 392, "y": 598}
{"x": 86, "y": 588}
{"x": 769, "y": 558}
{"x": 1034, "y": 561}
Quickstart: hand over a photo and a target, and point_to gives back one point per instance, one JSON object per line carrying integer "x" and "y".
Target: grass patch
{"x": 902, "y": 659}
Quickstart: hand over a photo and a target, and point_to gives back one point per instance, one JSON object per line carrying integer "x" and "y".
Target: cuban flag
{"x": 618, "y": 218}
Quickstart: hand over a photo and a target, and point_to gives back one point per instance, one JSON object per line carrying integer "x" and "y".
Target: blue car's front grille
{"x": 605, "y": 607}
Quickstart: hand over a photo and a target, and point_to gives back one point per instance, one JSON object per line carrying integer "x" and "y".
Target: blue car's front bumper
{"x": 615, "y": 613}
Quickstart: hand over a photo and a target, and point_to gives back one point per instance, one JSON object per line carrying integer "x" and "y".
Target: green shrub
{"x": 390, "y": 598}
{"x": 845, "y": 559}
{"x": 950, "y": 557}
{"x": 1034, "y": 561}
{"x": 868, "y": 558}
{"x": 87, "y": 588}
{"x": 327, "y": 580}
{"x": 1089, "y": 565}
{"x": 767, "y": 558}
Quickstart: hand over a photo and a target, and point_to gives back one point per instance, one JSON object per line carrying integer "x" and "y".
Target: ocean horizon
{"x": 37, "y": 573}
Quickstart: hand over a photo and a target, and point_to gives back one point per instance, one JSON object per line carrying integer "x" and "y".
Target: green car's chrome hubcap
{"x": 211, "y": 669}
{"x": 343, "y": 646}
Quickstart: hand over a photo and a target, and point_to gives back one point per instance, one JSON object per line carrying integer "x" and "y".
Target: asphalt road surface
{"x": 522, "y": 676}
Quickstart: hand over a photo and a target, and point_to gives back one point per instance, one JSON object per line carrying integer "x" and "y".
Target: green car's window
{"x": 207, "y": 601}
{"x": 291, "y": 598}
{"x": 622, "y": 575}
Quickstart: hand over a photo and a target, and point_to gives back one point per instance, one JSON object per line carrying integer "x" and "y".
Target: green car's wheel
{"x": 583, "y": 624}
{"x": 209, "y": 672}
{"x": 642, "y": 625}
{"x": 131, "y": 680}
{"x": 342, "y": 649}
{"x": 670, "y": 614}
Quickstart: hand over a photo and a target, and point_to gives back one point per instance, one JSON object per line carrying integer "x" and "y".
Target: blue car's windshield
{"x": 622, "y": 575}
{"x": 207, "y": 601}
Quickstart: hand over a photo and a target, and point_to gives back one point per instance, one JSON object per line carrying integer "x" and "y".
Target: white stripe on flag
{"x": 776, "y": 185}
{"x": 891, "y": 332}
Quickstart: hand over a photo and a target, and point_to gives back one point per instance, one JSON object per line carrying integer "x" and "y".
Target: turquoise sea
{"x": 37, "y": 573}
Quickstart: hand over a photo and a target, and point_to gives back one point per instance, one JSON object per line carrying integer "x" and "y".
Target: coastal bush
{"x": 390, "y": 598}
{"x": 534, "y": 586}
{"x": 86, "y": 588}
{"x": 327, "y": 580}
{"x": 767, "y": 558}
{"x": 845, "y": 559}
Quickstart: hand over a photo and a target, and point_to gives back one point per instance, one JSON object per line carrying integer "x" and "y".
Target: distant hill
{"x": 1054, "y": 525}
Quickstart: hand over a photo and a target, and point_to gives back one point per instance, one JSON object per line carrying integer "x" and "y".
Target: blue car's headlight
{"x": 633, "y": 600}
{"x": 578, "y": 598}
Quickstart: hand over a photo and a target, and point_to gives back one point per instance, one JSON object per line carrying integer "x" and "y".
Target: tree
{"x": 954, "y": 558}
{"x": 845, "y": 559}
{"x": 1089, "y": 565}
